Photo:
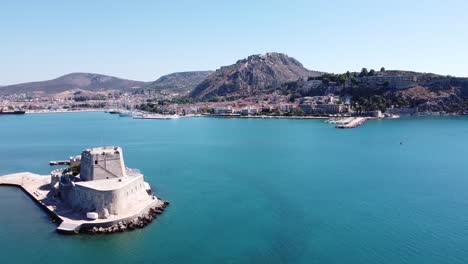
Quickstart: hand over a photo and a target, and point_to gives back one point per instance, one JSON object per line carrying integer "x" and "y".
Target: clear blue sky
{"x": 143, "y": 40}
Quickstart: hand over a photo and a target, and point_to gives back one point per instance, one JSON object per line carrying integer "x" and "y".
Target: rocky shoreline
{"x": 130, "y": 225}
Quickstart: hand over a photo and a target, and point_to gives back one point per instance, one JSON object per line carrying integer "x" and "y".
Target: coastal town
{"x": 272, "y": 85}
{"x": 335, "y": 101}
{"x": 263, "y": 105}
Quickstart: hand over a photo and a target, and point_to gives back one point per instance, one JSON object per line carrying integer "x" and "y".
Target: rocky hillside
{"x": 252, "y": 75}
{"x": 179, "y": 82}
{"x": 439, "y": 94}
{"x": 70, "y": 82}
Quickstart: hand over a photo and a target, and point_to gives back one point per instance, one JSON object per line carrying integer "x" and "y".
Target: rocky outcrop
{"x": 252, "y": 75}
{"x": 129, "y": 225}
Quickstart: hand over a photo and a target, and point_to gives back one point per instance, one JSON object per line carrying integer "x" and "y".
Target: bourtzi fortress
{"x": 95, "y": 193}
{"x": 97, "y": 183}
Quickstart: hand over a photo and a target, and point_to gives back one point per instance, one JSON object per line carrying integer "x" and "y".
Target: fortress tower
{"x": 102, "y": 163}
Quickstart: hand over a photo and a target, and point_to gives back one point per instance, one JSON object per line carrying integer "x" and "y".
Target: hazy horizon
{"x": 145, "y": 40}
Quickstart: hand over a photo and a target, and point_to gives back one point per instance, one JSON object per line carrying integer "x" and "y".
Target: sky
{"x": 143, "y": 40}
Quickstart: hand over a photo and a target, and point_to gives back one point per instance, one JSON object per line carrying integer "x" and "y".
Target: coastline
{"x": 62, "y": 111}
{"x": 423, "y": 115}
{"x": 186, "y": 116}
{"x": 267, "y": 116}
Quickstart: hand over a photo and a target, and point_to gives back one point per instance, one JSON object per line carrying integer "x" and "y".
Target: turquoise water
{"x": 255, "y": 191}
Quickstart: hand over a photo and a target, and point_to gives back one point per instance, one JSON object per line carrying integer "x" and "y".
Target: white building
{"x": 249, "y": 110}
{"x": 223, "y": 110}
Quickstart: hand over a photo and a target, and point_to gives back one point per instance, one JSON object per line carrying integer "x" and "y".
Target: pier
{"x": 37, "y": 187}
{"x": 352, "y": 122}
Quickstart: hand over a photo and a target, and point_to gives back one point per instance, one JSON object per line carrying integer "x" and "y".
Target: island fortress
{"x": 99, "y": 184}
{"x": 95, "y": 193}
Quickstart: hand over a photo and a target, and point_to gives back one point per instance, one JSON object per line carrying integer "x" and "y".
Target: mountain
{"x": 252, "y": 75}
{"x": 73, "y": 81}
{"x": 180, "y": 82}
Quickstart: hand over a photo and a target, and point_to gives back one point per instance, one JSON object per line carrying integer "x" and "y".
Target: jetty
{"x": 91, "y": 204}
{"x": 351, "y": 122}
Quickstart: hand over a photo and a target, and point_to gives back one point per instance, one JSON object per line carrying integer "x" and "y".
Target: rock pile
{"x": 138, "y": 222}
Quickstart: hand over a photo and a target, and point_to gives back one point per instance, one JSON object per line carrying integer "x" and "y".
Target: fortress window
{"x": 95, "y": 162}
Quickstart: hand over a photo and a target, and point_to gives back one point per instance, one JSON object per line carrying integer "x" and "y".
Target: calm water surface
{"x": 254, "y": 191}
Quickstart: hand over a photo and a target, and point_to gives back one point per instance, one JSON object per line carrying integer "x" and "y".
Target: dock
{"x": 37, "y": 187}
{"x": 352, "y": 122}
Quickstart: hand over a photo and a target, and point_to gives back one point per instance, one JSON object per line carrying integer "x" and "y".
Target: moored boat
{"x": 15, "y": 112}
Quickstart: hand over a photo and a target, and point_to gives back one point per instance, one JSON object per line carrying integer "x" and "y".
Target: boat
{"x": 15, "y": 112}
{"x": 125, "y": 114}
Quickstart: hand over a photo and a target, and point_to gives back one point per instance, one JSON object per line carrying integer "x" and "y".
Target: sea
{"x": 254, "y": 190}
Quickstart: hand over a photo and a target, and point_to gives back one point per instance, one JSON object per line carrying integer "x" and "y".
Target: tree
{"x": 382, "y": 69}
{"x": 299, "y": 112}
{"x": 371, "y": 72}
{"x": 364, "y": 72}
{"x": 342, "y": 79}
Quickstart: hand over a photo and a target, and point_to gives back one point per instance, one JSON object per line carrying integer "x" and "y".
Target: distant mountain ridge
{"x": 180, "y": 82}
{"x": 73, "y": 81}
{"x": 252, "y": 75}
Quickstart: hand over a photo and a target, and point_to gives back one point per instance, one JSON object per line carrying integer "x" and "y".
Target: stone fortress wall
{"x": 107, "y": 202}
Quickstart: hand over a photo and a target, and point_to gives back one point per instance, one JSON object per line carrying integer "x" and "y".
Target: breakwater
{"x": 352, "y": 122}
